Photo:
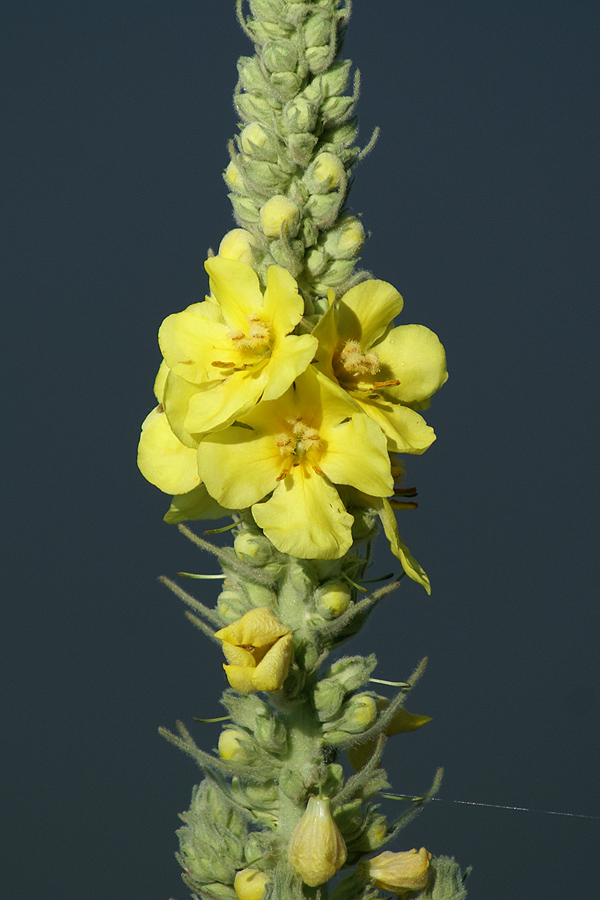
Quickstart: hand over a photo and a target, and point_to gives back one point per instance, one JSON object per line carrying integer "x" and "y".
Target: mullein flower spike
{"x": 283, "y": 400}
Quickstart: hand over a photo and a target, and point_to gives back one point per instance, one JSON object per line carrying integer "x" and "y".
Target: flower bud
{"x": 233, "y": 177}
{"x": 399, "y": 873}
{"x": 346, "y": 239}
{"x": 332, "y": 598}
{"x": 301, "y": 146}
{"x": 280, "y": 56}
{"x": 359, "y": 714}
{"x": 279, "y": 213}
{"x": 252, "y": 138}
{"x": 317, "y": 850}
{"x": 325, "y": 174}
{"x": 239, "y": 244}
{"x": 250, "y": 884}
{"x": 231, "y": 745}
{"x": 254, "y": 549}
{"x": 299, "y": 115}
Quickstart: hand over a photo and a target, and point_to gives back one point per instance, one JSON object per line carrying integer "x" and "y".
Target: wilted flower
{"x": 258, "y": 649}
{"x": 317, "y": 849}
{"x": 399, "y": 873}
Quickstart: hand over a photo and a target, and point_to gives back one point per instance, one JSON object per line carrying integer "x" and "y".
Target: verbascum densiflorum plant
{"x": 286, "y": 401}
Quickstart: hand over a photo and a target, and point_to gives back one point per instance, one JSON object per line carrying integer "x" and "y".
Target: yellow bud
{"x": 399, "y": 873}
{"x": 346, "y": 239}
{"x": 252, "y": 137}
{"x": 364, "y": 710}
{"x": 327, "y": 172}
{"x": 250, "y": 884}
{"x": 332, "y": 599}
{"x": 317, "y": 850}
{"x": 233, "y": 177}
{"x": 278, "y": 213}
{"x": 230, "y": 745}
{"x": 238, "y": 244}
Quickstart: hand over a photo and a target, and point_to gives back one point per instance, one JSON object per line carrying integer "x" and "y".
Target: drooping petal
{"x": 238, "y": 466}
{"x": 417, "y": 358}
{"x": 366, "y": 311}
{"x": 162, "y": 459}
{"x": 305, "y": 517}
{"x": 195, "y": 505}
{"x": 398, "y": 548}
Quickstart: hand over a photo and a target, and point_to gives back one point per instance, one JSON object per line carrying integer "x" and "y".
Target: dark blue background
{"x": 481, "y": 198}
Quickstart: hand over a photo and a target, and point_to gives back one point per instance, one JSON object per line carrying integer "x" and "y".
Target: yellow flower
{"x": 399, "y": 873}
{"x": 258, "y": 650}
{"x": 298, "y": 447}
{"x": 390, "y": 372}
{"x": 250, "y": 884}
{"x": 232, "y": 350}
{"x": 317, "y": 850}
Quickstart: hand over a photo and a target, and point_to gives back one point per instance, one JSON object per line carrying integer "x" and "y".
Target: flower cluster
{"x": 297, "y": 427}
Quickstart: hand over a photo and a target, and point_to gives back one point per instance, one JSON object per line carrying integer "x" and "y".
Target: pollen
{"x": 257, "y": 336}
{"x": 355, "y": 362}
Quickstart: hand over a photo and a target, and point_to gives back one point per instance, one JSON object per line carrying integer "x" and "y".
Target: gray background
{"x": 481, "y": 200}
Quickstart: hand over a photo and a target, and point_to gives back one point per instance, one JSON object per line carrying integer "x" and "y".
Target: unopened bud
{"x": 317, "y": 850}
{"x": 399, "y": 873}
{"x": 279, "y": 214}
{"x": 238, "y": 244}
{"x": 250, "y": 884}
{"x": 332, "y": 598}
{"x": 359, "y": 714}
{"x": 346, "y": 239}
{"x": 231, "y": 745}
{"x": 252, "y": 138}
{"x": 233, "y": 177}
{"x": 325, "y": 174}
{"x": 253, "y": 548}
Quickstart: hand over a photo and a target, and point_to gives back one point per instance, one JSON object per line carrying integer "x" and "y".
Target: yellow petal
{"x": 305, "y": 517}
{"x": 366, "y": 311}
{"x": 405, "y": 429}
{"x": 239, "y": 466}
{"x": 258, "y": 628}
{"x": 417, "y": 359}
{"x": 273, "y": 669}
{"x": 163, "y": 460}
{"x": 400, "y": 550}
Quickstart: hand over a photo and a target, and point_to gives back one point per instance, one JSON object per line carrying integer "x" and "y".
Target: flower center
{"x": 256, "y": 338}
{"x": 297, "y": 443}
{"x": 355, "y": 370}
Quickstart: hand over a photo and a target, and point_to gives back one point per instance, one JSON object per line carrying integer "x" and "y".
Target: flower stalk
{"x": 284, "y": 400}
